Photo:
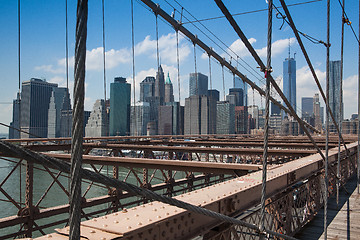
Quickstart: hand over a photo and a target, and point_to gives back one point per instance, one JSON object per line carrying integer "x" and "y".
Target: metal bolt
{"x": 92, "y": 231}
{"x": 159, "y": 216}
{"x": 139, "y": 223}
{"x": 136, "y": 215}
{"x": 127, "y": 218}
{"x": 167, "y": 214}
{"x": 149, "y": 220}
{"x": 94, "y": 219}
{"x": 124, "y": 210}
{"x": 116, "y": 221}
{"x": 103, "y": 238}
{"x": 104, "y": 225}
{"x": 49, "y": 236}
{"x": 129, "y": 227}
{"x": 115, "y": 214}
{"x": 154, "y": 209}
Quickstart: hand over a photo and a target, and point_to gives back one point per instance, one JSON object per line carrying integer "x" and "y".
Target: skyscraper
{"x": 239, "y": 96}
{"x": 15, "y": 124}
{"x": 289, "y": 80}
{"x": 241, "y": 120}
{"x": 35, "y": 100}
{"x": 198, "y": 84}
{"x": 120, "y": 107}
{"x": 169, "y": 91}
{"x": 225, "y": 118}
{"x": 199, "y": 115}
{"x": 140, "y": 116}
{"x": 238, "y": 83}
{"x": 147, "y": 89}
{"x": 160, "y": 85}
{"x": 334, "y": 90}
{"x": 97, "y": 125}
{"x": 307, "y": 109}
{"x": 275, "y": 109}
{"x": 59, "y": 101}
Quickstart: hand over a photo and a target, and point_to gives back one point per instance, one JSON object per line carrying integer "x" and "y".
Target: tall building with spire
{"x": 160, "y": 85}
{"x": 59, "y": 101}
{"x": 289, "y": 80}
{"x": 169, "y": 91}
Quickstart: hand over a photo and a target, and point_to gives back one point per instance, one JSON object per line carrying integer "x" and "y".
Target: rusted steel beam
{"x": 194, "y": 166}
{"x": 217, "y": 150}
{"x": 243, "y": 137}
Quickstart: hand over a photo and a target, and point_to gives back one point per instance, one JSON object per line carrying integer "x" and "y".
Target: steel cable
{"x": 78, "y": 119}
{"x": 267, "y": 72}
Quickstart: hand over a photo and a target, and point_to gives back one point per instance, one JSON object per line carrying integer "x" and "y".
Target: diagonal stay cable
{"x": 292, "y": 25}
{"x": 262, "y": 66}
{"x": 20, "y": 152}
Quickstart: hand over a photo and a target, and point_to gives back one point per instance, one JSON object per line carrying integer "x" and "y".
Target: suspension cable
{"x": 78, "y": 119}
{"x": 67, "y": 63}
{"x": 133, "y": 64}
{"x": 210, "y": 72}
{"x": 223, "y": 80}
{"x": 19, "y": 90}
{"x": 178, "y": 61}
{"x": 326, "y": 183}
{"x": 157, "y": 41}
{"x": 104, "y": 66}
{"x": 196, "y": 75}
{"x": 340, "y": 107}
{"x": 267, "y": 72}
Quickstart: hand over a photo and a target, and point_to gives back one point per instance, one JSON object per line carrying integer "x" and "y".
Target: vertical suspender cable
{"x": 157, "y": 42}
{"x": 19, "y": 91}
{"x": 266, "y": 128}
{"x": 210, "y": 72}
{"x": 223, "y": 79}
{"x": 327, "y": 121}
{"x": 178, "y": 60}
{"x": 67, "y": 63}
{"x": 358, "y": 126}
{"x": 133, "y": 64}
{"x": 341, "y": 102}
{"x": 196, "y": 75}
{"x": 104, "y": 67}
{"x": 78, "y": 119}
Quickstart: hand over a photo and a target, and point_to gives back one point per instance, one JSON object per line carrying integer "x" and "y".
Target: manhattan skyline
{"x": 43, "y": 50}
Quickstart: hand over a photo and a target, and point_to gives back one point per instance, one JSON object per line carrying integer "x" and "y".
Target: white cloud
{"x": 350, "y": 88}
{"x": 167, "y": 48}
{"x": 59, "y": 80}
{"x": 50, "y": 68}
{"x": 277, "y": 47}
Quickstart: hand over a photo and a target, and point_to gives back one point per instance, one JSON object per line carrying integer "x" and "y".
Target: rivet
{"x": 149, "y": 220}
{"x": 162, "y": 207}
{"x": 204, "y": 201}
{"x": 124, "y": 210}
{"x": 49, "y": 236}
{"x": 159, "y": 216}
{"x": 129, "y": 227}
{"x": 104, "y": 225}
{"x": 127, "y": 218}
{"x": 116, "y": 221}
{"x": 134, "y": 208}
{"x": 218, "y": 197}
{"x": 175, "y": 210}
{"x": 92, "y": 231}
{"x": 151, "y": 204}
{"x": 136, "y": 215}
{"x": 94, "y": 219}
{"x": 103, "y": 238}
{"x": 154, "y": 209}
{"x": 143, "y": 206}
{"x": 104, "y": 217}
{"x": 139, "y": 223}
{"x": 224, "y": 195}
{"x": 195, "y": 191}
{"x": 115, "y": 214}
{"x": 167, "y": 214}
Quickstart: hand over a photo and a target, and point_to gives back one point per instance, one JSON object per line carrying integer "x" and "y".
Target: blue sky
{"x": 43, "y": 45}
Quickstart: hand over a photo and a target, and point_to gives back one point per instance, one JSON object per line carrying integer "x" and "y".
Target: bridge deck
{"x": 343, "y": 223}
